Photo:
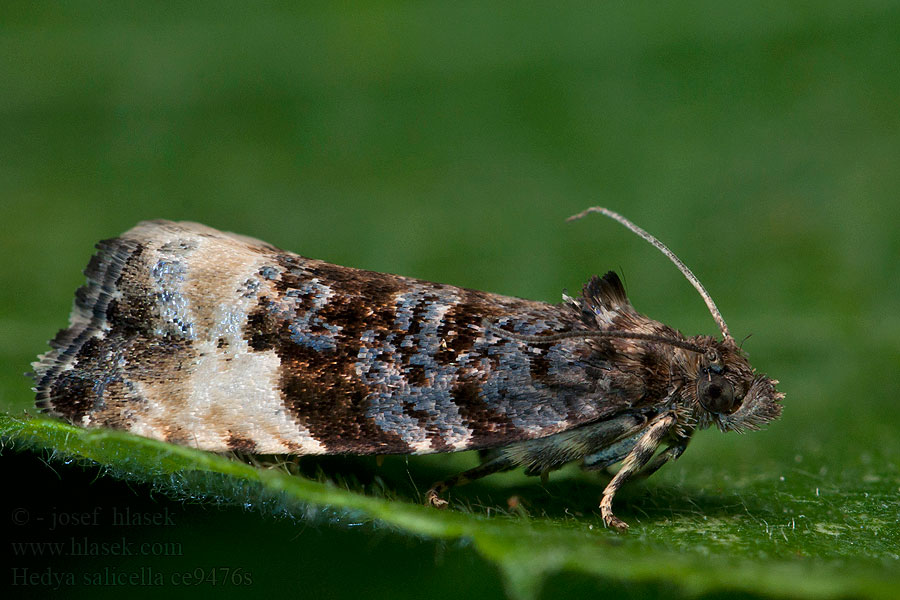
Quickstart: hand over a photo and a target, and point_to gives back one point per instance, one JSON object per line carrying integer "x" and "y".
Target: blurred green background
{"x": 449, "y": 141}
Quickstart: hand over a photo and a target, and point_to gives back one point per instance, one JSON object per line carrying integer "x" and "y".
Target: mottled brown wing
{"x": 217, "y": 341}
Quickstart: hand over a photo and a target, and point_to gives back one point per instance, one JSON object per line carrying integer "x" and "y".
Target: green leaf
{"x": 728, "y": 544}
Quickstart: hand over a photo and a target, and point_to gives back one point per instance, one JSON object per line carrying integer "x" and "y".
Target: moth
{"x": 222, "y": 342}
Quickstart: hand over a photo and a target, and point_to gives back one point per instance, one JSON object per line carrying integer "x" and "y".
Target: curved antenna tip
{"x": 710, "y": 304}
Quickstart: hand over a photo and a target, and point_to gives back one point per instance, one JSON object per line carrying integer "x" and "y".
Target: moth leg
{"x": 669, "y": 454}
{"x": 638, "y": 457}
{"x": 602, "y": 460}
{"x": 433, "y": 496}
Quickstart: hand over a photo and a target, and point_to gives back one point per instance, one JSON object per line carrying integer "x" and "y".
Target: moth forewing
{"x": 197, "y": 337}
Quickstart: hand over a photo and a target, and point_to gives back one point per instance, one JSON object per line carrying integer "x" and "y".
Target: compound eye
{"x": 716, "y": 394}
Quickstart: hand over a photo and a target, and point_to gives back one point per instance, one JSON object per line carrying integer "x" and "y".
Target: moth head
{"x": 727, "y": 389}
{"x": 730, "y": 393}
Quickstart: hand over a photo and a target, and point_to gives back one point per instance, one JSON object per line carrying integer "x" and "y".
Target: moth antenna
{"x": 713, "y": 310}
{"x": 610, "y": 333}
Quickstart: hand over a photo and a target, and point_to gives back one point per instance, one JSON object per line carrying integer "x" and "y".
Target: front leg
{"x": 638, "y": 457}
{"x": 669, "y": 454}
